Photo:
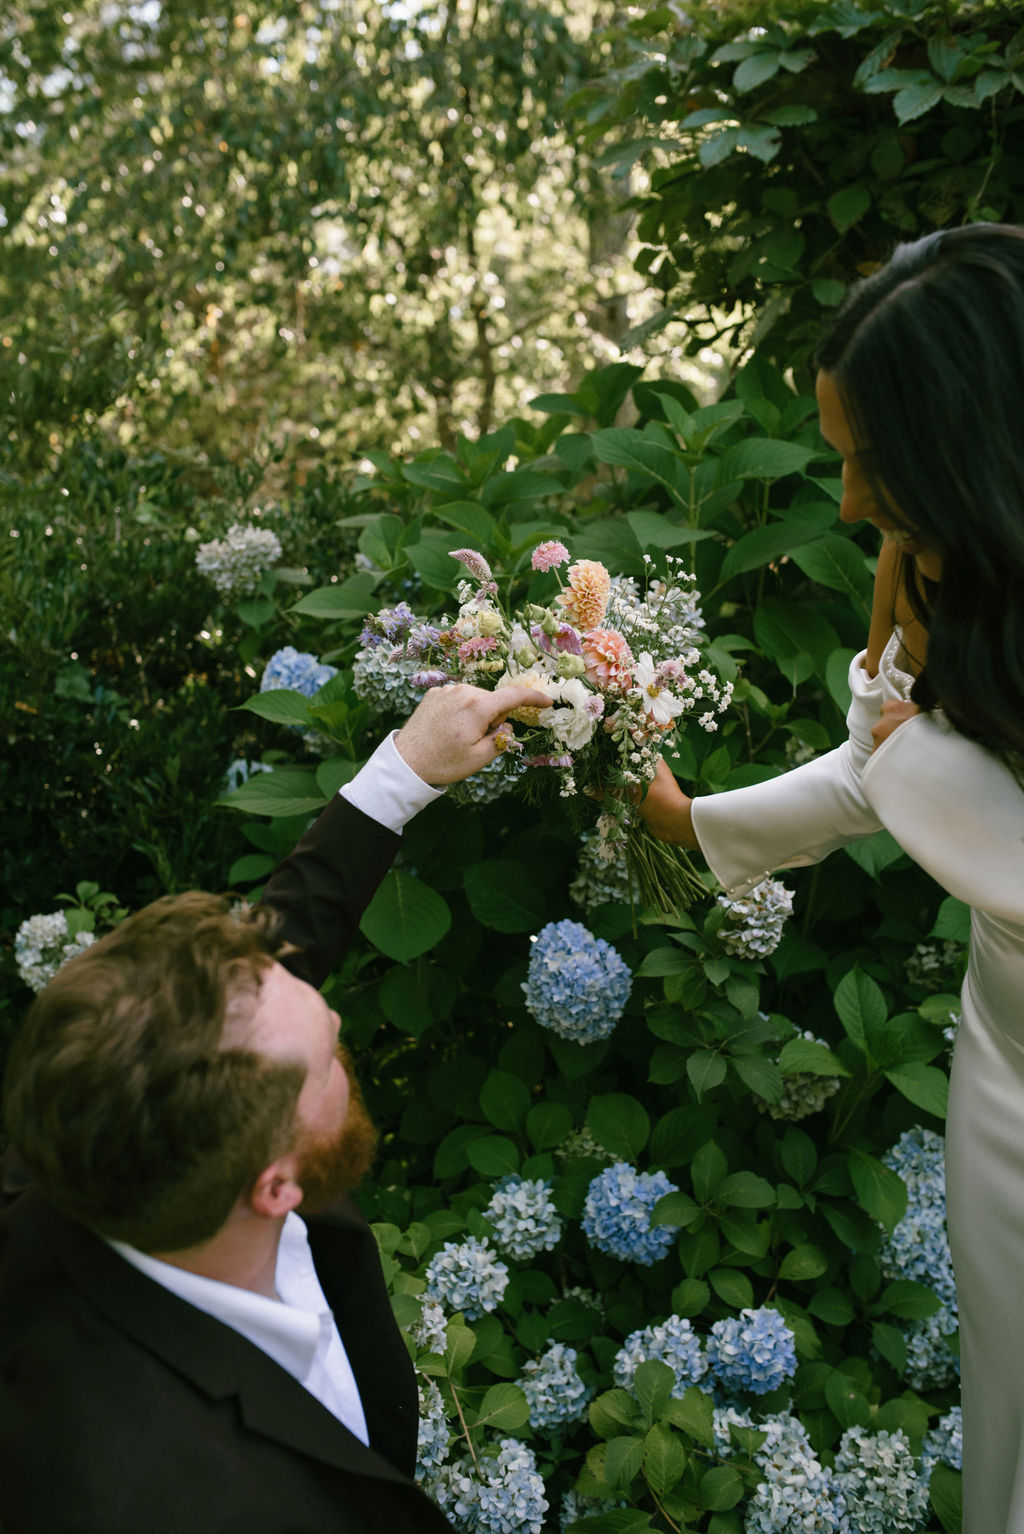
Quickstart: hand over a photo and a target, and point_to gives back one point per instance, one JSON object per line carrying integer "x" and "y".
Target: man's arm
{"x": 325, "y": 884}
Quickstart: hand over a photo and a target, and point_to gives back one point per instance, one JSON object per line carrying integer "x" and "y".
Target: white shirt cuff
{"x": 387, "y": 789}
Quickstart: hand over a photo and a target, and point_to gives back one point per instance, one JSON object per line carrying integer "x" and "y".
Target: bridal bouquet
{"x": 623, "y": 665}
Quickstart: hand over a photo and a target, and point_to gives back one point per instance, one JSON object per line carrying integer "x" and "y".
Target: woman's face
{"x": 858, "y": 503}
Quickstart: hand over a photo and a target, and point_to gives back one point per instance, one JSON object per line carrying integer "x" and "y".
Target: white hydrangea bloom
{"x": 524, "y": 1217}
{"x": 754, "y": 924}
{"x": 42, "y": 944}
{"x": 236, "y": 562}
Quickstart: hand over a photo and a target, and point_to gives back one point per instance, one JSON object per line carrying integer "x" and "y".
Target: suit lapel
{"x": 213, "y": 1357}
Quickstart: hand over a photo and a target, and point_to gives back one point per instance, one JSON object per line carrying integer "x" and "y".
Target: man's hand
{"x": 893, "y": 715}
{"x": 455, "y": 730}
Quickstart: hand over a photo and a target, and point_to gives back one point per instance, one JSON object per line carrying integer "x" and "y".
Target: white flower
{"x": 659, "y": 704}
{"x": 571, "y": 722}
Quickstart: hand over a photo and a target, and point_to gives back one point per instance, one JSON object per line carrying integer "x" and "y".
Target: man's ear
{"x": 275, "y": 1192}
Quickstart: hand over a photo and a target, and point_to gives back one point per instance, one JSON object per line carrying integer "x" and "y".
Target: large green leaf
{"x": 405, "y": 917}
{"x": 926, "y": 1086}
{"x": 503, "y": 1409}
{"x": 664, "y": 1457}
{"x": 502, "y": 895}
{"x": 281, "y": 705}
{"x": 839, "y": 564}
{"x": 505, "y": 1100}
{"x": 881, "y": 1191}
{"x": 800, "y": 1057}
{"x": 285, "y": 791}
{"x": 763, "y": 545}
{"x": 763, "y": 458}
{"x": 348, "y": 599}
{"x": 860, "y": 1006}
{"x": 620, "y": 1124}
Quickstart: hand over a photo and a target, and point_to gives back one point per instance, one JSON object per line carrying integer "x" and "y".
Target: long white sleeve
{"x": 956, "y": 809}
{"x": 801, "y": 816}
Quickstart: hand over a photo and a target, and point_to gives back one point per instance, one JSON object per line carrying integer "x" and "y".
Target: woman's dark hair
{"x": 928, "y": 357}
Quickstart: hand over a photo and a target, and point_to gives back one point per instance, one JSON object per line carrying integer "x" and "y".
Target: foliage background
{"x": 206, "y": 219}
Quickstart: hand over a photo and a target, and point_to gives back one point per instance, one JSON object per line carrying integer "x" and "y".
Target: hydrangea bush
{"x": 645, "y": 1177}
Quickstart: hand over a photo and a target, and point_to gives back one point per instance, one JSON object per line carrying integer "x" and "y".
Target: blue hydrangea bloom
{"x": 877, "y": 1487}
{"x": 578, "y": 984}
{"x": 944, "y": 1443}
{"x": 754, "y": 1351}
{"x": 524, "y": 1217}
{"x": 797, "y": 1492}
{"x": 467, "y": 1276}
{"x": 673, "y": 1342}
{"x": 617, "y": 1214}
{"x": 432, "y": 1439}
{"x": 918, "y": 1249}
{"x": 297, "y": 669}
{"x": 504, "y": 1494}
{"x": 553, "y": 1388}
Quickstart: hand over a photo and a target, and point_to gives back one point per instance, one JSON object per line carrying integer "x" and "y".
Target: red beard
{"x": 334, "y": 1165}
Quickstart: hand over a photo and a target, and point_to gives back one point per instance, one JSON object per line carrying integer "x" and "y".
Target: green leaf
{"x": 799, "y": 1156}
{"x": 891, "y": 1343}
{"x": 405, "y": 917}
{"x": 718, "y": 146}
{"x": 466, "y": 517}
{"x": 732, "y": 1287}
{"x": 348, "y": 599}
{"x": 837, "y": 679}
{"x": 706, "y": 1069}
{"x": 285, "y": 791}
{"x": 459, "y": 1345}
{"x": 503, "y": 1409}
{"x": 838, "y": 564}
{"x": 907, "y": 1300}
{"x": 622, "y": 1461}
{"x": 690, "y": 1296}
{"x": 664, "y": 1458}
{"x": 505, "y": 1100}
{"x": 760, "y": 1075}
{"x": 882, "y": 1193}
{"x": 548, "y": 1124}
{"x": 926, "y": 1086}
{"x": 693, "y": 1414}
{"x": 663, "y": 961}
{"x": 281, "y": 705}
{"x": 431, "y": 559}
{"x": 831, "y": 1306}
{"x": 249, "y": 868}
{"x": 756, "y": 69}
{"x": 676, "y": 1209}
{"x": 763, "y": 458}
{"x": 915, "y": 100}
{"x": 415, "y": 996}
{"x": 803, "y": 1263}
{"x": 848, "y": 1405}
{"x": 828, "y": 292}
{"x": 627, "y": 448}
{"x": 860, "y": 1006}
{"x": 721, "y": 1488}
{"x": 494, "y": 1156}
{"x": 652, "y": 1386}
{"x": 945, "y": 1492}
{"x": 333, "y": 773}
{"x": 806, "y": 1057}
{"x": 611, "y": 1412}
{"x": 620, "y": 1124}
{"x": 502, "y": 895}
{"x": 255, "y": 611}
{"x": 847, "y": 207}
{"x": 708, "y": 1170}
{"x": 875, "y": 853}
{"x": 764, "y": 545}
{"x": 953, "y": 921}
{"x": 745, "y": 1190}
{"x": 655, "y": 531}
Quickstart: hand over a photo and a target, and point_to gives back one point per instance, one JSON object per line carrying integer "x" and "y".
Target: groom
{"x": 181, "y": 1349}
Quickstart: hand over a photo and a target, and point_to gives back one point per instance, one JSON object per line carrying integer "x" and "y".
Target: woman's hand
{"x": 893, "y": 715}
{"x": 666, "y": 809}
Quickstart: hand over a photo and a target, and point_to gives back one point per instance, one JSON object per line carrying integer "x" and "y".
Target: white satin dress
{"x": 959, "y": 813}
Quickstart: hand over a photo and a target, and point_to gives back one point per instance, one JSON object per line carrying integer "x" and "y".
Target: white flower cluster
{"x": 877, "y": 1484}
{"x": 553, "y": 1388}
{"x": 42, "y": 944}
{"x": 803, "y": 1093}
{"x": 492, "y": 782}
{"x": 468, "y": 1277}
{"x": 504, "y": 1494}
{"x": 797, "y": 1491}
{"x": 753, "y": 928}
{"x": 581, "y": 1145}
{"x": 667, "y": 619}
{"x": 433, "y": 1436}
{"x": 429, "y": 1331}
{"x": 936, "y": 966}
{"x": 524, "y": 1217}
{"x": 236, "y": 562}
{"x": 601, "y": 873}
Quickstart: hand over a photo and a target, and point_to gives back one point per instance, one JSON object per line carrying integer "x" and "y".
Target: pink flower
{"x": 608, "y": 659}
{"x": 566, "y": 641}
{"x": 586, "y": 600}
{"x": 548, "y": 761}
{"x": 472, "y": 649}
{"x": 547, "y": 555}
{"x": 475, "y": 563}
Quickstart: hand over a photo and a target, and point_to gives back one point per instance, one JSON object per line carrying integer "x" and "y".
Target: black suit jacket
{"x": 124, "y": 1410}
